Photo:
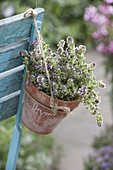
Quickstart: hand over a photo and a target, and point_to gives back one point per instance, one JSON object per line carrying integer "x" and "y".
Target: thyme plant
{"x": 71, "y": 77}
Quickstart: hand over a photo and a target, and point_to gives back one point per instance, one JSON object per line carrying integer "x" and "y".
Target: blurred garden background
{"x": 74, "y": 144}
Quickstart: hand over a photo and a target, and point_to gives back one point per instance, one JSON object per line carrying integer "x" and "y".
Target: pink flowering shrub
{"x": 101, "y": 18}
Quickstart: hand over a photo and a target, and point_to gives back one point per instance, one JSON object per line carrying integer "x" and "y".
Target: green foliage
{"x": 62, "y": 18}
{"x": 5, "y": 134}
{"x": 108, "y": 63}
{"x": 36, "y": 151}
{"x": 104, "y": 139}
{"x": 101, "y": 159}
{"x": 102, "y": 156}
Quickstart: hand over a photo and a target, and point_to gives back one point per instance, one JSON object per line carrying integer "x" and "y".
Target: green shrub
{"x": 105, "y": 138}
{"x": 101, "y": 159}
{"x": 62, "y": 18}
{"x": 102, "y": 156}
{"x": 36, "y": 151}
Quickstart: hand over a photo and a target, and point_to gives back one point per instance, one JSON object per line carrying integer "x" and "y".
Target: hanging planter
{"x": 38, "y": 116}
{"x": 56, "y": 82}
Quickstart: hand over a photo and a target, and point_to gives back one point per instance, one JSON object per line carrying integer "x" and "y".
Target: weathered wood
{"x": 10, "y": 96}
{"x": 8, "y": 108}
{"x": 16, "y": 136}
{"x": 10, "y": 64}
{"x": 10, "y": 84}
{"x": 11, "y": 71}
{"x": 10, "y": 58}
{"x": 17, "y": 28}
{"x": 13, "y": 46}
{"x": 33, "y": 31}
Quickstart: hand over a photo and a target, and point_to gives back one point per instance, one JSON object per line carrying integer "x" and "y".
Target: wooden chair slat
{"x": 17, "y": 29}
{"x": 12, "y": 54}
{"x": 10, "y": 84}
{"x": 9, "y": 57}
{"x": 6, "y": 112}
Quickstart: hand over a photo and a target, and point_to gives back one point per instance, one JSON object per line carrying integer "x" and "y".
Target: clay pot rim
{"x": 59, "y": 100}
{"x": 58, "y": 111}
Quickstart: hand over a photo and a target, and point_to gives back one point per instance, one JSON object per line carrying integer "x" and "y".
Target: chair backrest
{"x": 16, "y": 33}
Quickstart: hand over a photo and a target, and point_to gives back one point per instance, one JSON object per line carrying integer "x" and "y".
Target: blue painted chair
{"x": 16, "y": 33}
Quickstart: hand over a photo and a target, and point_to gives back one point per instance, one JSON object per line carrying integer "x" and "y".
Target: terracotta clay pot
{"x": 37, "y": 114}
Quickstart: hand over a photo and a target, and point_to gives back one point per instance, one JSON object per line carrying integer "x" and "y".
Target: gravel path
{"x": 76, "y": 133}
